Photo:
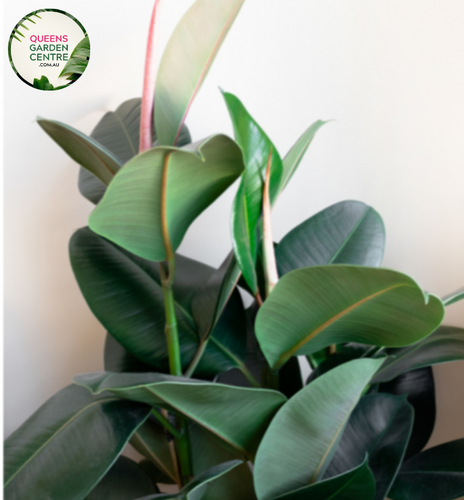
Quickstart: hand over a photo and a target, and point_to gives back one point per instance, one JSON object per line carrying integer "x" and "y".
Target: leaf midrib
{"x": 56, "y": 433}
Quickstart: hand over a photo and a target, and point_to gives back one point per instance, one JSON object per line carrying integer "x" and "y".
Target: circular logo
{"x": 49, "y": 49}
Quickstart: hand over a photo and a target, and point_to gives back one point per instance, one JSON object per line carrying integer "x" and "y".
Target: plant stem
{"x": 196, "y": 359}
{"x": 248, "y": 375}
{"x": 271, "y": 275}
{"x": 183, "y": 450}
{"x": 163, "y": 420}
{"x": 372, "y": 351}
{"x": 258, "y": 299}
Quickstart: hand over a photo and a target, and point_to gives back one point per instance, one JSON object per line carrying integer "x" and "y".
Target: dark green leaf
{"x": 186, "y": 61}
{"x": 73, "y": 427}
{"x": 124, "y": 292}
{"x": 238, "y": 416}
{"x": 444, "y": 345}
{"x": 43, "y": 83}
{"x": 151, "y": 441}
{"x": 434, "y": 474}
{"x": 124, "y": 481}
{"x": 348, "y": 232}
{"x": 303, "y": 436}
{"x": 198, "y": 487}
{"x": 419, "y": 387}
{"x": 206, "y": 453}
{"x": 357, "y": 484}
{"x": 84, "y": 150}
{"x": 257, "y": 151}
{"x": 348, "y": 304}
{"x": 379, "y": 426}
{"x": 137, "y": 202}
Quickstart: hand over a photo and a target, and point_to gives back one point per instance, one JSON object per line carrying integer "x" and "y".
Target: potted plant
{"x": 209, "y": 391}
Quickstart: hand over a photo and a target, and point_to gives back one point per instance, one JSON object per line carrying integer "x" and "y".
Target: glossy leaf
{"x": 437, "y": 473}
{"x": 196, "y": 489}
{"x": 348, "y": 232}
{"x": 303, "y": 436}
{"x": 444, "y": 345}
{"x": 347, "y": 304}
{"x": 419, "y": 387}
{"x": 118, "y": 359}
{"x": 124, "y": 292}
{"x": 151, "y": 441}
{"x": 124, "y": 481}
{"x": 186, "y": 61}
{"x": 380, "y": 427}
{"x": 356, "y": 484}
{"x": 453, "y": 297}
{"x": 161, "y": 186}
{"x": 238, "y": 416}
{"x": 296, "y": 153}
{"x": 119, "y": 132}
{"x": 257, "y": 149}
{"x": 206, "y": 453}
{"x": 83, "y": 149}
{"x": 73, "y": 427}
{"x": 43, "y": 83}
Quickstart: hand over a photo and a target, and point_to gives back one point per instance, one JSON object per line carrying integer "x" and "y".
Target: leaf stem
{"x": 196, "y": 359}
{"x": 248, "y": 375}
{"x": 163, "y": 420}
{"x": 271, "y": 275}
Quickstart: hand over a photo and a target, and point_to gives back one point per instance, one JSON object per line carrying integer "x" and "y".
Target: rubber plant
{"x": 210, "y": 392}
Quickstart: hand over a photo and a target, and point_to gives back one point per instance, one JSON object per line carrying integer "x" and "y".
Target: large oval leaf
{"x": 320, "y": 306}
{"x": 356, "y": 484}
{"x": 124, "y": 481}
{"x": 84, "y": 150}
{"x": 186, "y": 61}
{"x": 237, "y": 416}
{"x": 434, "y": 474}
{"x": 67, "y": 446}
{"x": 380, "y": 427}
{"x": 303, "y": 436}
{"x": 165, "y": 187}
{"x": 124, "y": 292}
{"x": 119, "y": 132}
{"x": 419, "y": 387}
{"x": 258, "y": 151}
{"x": 444, "y": 345}
{"x": 348, "y": 232}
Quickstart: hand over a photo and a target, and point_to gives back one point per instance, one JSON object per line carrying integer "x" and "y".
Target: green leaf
{"x": 150, "y": 441}
{"x": 444, "y": 345}
{"x": 84, "y": 150}
{"x": 73, "y": 427}
{"x": 296, "y": 153}
{"x": 237, "y": 416}
{"x": 43, "y": 83}
{"x": 380, "y": 426}
{"x": 124, "y": 292}
{"x": 437, "y": 473}
{"x": 356, "y": 484}
{"x": 186, "y": 61}
{"x": 303, "y": 436}
{"x": 124, "y": 481}
{"x": 453, "y": 297}
{"x": 165, "y": 186}
{"x": 346, "y": 304}
{"x": 348, "y": 232}
{"x": 119, "y": 132}
{"x": 206, "y": 453}
{"x": 419, "y": 387}
{"x": 79, "y": 59}
{"x": 257, "y": 151}
{"x": 118, "y": 359}
{"x": 196, "y": 489}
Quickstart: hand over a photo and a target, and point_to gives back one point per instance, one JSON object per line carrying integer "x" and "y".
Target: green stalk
{"x": 183, "y": 451}
{"x": 165, "y": 423}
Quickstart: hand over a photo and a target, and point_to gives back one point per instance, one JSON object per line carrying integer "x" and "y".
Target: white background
{"x": 390, "y": 72}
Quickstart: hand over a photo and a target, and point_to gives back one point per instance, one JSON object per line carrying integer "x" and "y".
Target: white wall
{"x": 390, "y": 72}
